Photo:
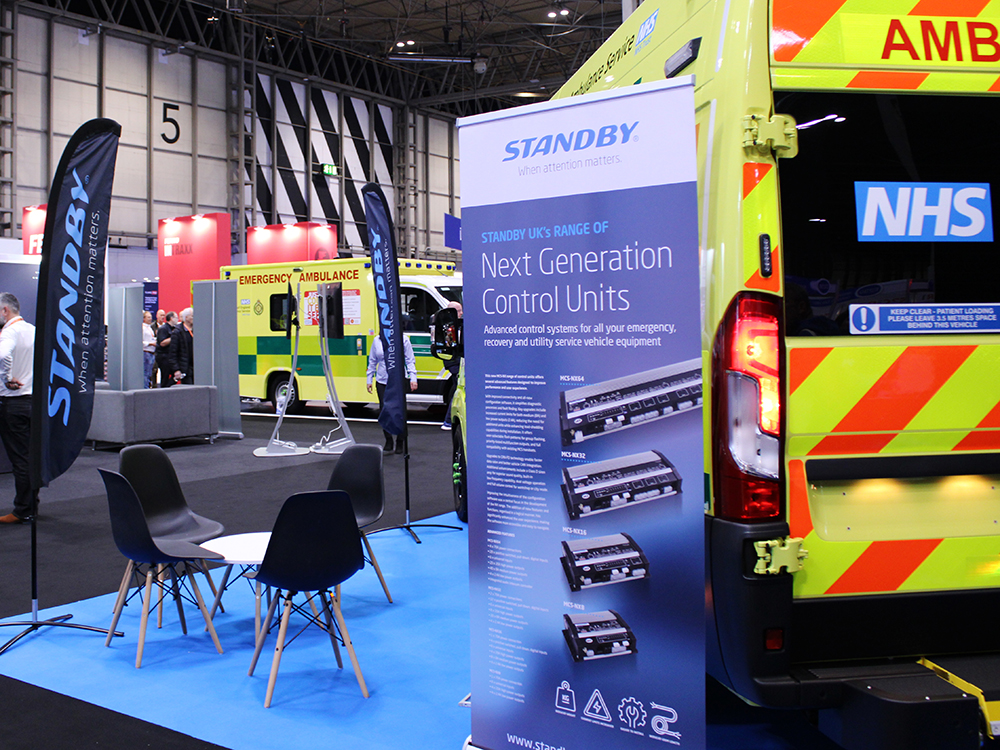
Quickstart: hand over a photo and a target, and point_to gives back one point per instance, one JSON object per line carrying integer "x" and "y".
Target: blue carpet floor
{"x": 414, "y": 655}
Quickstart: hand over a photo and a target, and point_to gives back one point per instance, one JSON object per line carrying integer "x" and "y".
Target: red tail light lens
{"x": 746, "y": 409}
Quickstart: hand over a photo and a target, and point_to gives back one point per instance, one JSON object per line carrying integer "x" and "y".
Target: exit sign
{"x": 330, "y": 170}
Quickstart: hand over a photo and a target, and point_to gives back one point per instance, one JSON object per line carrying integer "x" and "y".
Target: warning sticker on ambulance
{"x": 896, "y": 319}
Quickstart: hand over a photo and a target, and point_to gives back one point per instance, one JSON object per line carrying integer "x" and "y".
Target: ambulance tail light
{"x": 746, "y": 409}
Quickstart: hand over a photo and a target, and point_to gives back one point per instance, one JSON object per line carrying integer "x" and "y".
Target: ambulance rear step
{"x": 978, "y": 675}
{"x": 890, "y": 706}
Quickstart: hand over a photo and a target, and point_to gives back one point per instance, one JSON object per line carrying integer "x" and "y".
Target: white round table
{"x": 247, "y": 551}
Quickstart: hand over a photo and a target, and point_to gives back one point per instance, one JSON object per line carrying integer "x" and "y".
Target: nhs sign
{"x": 923, "y": 211}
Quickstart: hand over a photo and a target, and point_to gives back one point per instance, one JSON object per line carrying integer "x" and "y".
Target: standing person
{"x": 163, "y": 337}
{"x": 181, "y": 357}
{"x": 17, "y": 358}
{"x": 376, "y": 369}
{"x": 148, "y": 347}
{"x": 161, "y": 319}
{"x": 453, "y": 365}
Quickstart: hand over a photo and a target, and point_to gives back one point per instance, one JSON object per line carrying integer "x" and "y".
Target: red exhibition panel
{"x": 33, "y": 229}
{"x": 284, "y": 243}
{"x": 191, "y": 248}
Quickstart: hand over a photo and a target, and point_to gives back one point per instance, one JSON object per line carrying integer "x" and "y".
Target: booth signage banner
{"x": 69, "y": 335}
{"x": 191, "y": 248}
{"x": 584, "y": 425}
{"x": 385, "y": 275}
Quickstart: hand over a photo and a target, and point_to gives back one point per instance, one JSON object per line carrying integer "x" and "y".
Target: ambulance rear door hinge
{"x": 778, "y": 134}
{"x": 775, "y": 556}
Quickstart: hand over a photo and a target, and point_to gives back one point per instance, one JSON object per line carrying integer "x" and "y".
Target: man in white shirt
{"x": 17, "y": 359}
{"x": 376, "y": 370}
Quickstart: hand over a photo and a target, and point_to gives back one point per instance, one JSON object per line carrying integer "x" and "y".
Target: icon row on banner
{"x": 632, "y": 713}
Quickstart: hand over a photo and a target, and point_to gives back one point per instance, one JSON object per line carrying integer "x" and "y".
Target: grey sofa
{"x": 152, "y": 414}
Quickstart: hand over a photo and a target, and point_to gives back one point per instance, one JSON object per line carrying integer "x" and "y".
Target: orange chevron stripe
{"x": 955, "y": 8}
{"x": 796, "y": 23}
{"x": 801, "y": 363}
{"x": 870, "y": 79}
{"x": 903, "y": 390}
{"x": 842, "y": 445}
{"x": 753, "y": 173}
{"x": 980, "y": 440}
{"x": 799, "y": 518}
{"x": 770, "y": 284}
{"x": 992, "y": 419}
{"x": 884, "y": 566}
{"x": 995, "y": 86}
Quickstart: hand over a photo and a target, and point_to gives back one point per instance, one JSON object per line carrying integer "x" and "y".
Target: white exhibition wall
{"x": 175, "y": 133}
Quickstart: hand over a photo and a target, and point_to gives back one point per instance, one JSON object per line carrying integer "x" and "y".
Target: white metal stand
{"x": 276, "y": 446}
{"x": 332, "y": 444}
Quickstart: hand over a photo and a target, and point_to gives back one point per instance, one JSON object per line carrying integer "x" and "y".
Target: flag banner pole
{"x": 385, "y": 276}
{"x": 69, "y": 330}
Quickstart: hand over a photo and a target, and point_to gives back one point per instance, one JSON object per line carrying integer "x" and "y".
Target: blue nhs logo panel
{"x": 924, "y": 211}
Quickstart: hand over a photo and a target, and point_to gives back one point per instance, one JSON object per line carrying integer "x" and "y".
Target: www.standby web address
{"x": 568, "y": 165}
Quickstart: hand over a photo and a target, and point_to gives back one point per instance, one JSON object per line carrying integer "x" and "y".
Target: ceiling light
{"x": 564, "y": 12}
{"x": 552, "y": 14}
{"x": 400, "y": 44}
{"x": 410, "y": 42}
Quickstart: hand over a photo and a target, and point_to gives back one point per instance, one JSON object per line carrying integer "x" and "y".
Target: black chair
{"x": 145, "y": 555}
{"x": 315, "y": 546}
{"x": 149, "y": 470}
{"x": 359, "y": 474}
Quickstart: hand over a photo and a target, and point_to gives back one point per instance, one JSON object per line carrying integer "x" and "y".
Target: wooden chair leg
{"x": 371, "y": 556}
{"x": 145, "y": 616}
{"x": 347, "y": 641}
{"x": 211, "y": 584}
{"x": 218, "y": 594}
{"x": 129, "y": 567}
{"x": 329, "y": 626}
{"x": 161, "y": 577}
{"x": 120, "y": 601}
{"x": 202, "y": 607}
{"x": 262, "y": 634}
{"x": 282, "y": 630}
{"x": 256, "y": 608}
{"x": 175, "y": 589}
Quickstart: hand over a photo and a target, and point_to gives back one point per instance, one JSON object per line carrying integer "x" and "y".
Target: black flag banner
{"x": 69, "y": 333}
{"x": 385, "y": 273}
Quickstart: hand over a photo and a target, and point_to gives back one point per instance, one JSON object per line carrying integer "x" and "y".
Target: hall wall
{"x": 175, "y": 109}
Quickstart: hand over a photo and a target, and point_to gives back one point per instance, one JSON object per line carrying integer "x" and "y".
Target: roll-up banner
{"x": 584, "y": 397}
{"x": 385, "y": 274}
{"x": 69, "y": 334}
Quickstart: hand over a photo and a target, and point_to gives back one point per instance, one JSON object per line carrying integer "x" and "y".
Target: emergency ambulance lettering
{"x": 943, "y": 43}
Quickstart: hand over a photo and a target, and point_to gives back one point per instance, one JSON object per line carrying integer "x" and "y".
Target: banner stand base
{"x": 30, "y": 626}
{"x": 230, "y": 435}
{"x": 280, "y": 448}
{"x": 332, "y": 448}
{"x": 467, "y": 745}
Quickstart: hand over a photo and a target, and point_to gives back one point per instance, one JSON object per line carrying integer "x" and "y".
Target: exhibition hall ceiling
{"x": 484, "y": 47}
{"x": 458, "y": 57}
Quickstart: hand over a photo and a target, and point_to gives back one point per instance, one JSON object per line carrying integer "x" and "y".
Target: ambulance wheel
{"x": 279, "y": 391}
{"x": 458, "y": 472}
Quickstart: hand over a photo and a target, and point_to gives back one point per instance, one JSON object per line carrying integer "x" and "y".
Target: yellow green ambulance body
{"x": 846, "y": 150}
{"x": 265, "y": 353}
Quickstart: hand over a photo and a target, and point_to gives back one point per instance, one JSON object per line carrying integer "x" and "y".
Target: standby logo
{"x": 574, "y": 140}
{"x": 923, "y": 211}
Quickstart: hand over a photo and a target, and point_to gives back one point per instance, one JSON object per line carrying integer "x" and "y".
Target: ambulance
{"x": 265, "y": 351}
{"x": 850, "y": 281}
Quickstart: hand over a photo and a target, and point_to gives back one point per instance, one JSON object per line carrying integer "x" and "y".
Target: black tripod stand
{"x": 409, "y": 527}
{"x": 30, "y": 626}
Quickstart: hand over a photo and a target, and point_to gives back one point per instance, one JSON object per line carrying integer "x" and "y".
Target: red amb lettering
{"x": 942, "y": 44}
